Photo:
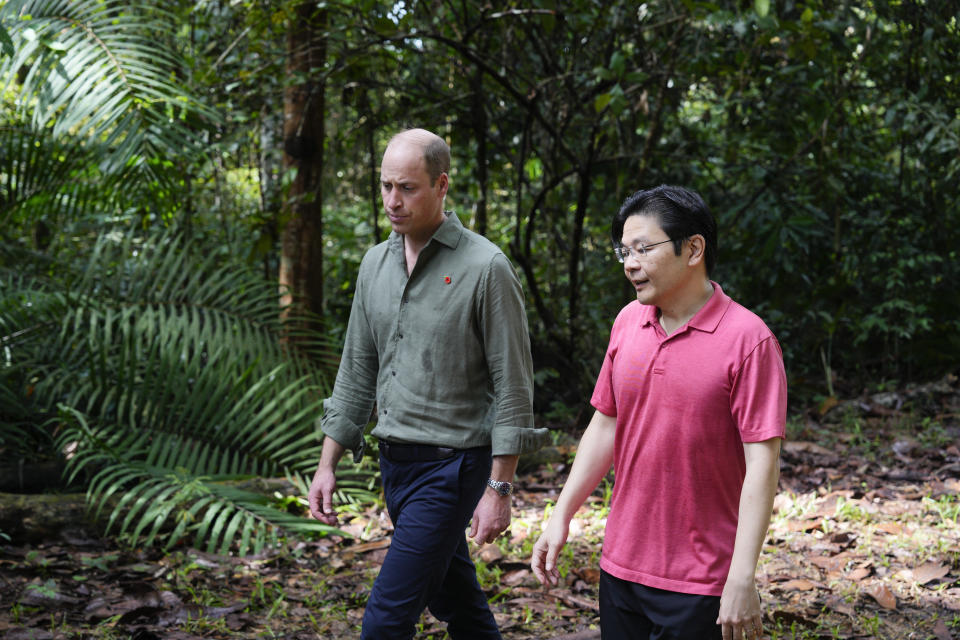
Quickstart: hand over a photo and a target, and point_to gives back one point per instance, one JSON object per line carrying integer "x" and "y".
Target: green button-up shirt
{"x": 444, "y": 353}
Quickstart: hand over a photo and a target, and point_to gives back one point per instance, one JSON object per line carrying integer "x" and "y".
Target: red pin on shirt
{"x": 446, "y": 279}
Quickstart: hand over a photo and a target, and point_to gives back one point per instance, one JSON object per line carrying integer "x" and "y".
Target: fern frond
{"x": 47, "y": 179}
{"x": 172, "y": 387}
{"x": 101, "y": 71}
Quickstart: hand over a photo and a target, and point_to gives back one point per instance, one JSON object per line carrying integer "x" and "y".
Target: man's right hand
{"x": 320, "y": 496}
{"x": 547, "y": 549}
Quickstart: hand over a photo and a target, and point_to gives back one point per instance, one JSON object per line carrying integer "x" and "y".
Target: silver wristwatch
{"x": 501, "y": 487}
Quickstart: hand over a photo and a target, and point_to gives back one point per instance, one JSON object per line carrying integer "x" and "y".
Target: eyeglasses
{"x": 639, "y": 252}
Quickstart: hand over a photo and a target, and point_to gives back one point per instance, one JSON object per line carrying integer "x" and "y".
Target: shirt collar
{"x": 711, "y": 313}
{"x": 448, "y": 233}
{"x": 706, "y": 319}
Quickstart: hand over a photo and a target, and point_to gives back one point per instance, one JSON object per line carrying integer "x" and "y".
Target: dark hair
{"x": 680, "y": 212}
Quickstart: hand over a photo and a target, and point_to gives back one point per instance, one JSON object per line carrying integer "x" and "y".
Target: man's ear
{"x": 444, "y": 183}
{"x": 697, "y": 246}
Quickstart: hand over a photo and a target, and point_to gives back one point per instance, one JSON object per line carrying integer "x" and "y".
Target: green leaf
{"x": 6, "y": 43}
{"x": 172, "y": 379}
{"x": 601, "y": 101}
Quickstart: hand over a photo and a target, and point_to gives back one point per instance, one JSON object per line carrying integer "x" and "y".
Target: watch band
{"x": 501, "y": 487}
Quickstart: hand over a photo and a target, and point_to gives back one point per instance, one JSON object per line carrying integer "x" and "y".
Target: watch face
{"x": 502, "y": 488}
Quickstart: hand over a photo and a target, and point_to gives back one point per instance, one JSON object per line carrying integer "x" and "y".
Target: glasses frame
{"x": 639, "y": 252}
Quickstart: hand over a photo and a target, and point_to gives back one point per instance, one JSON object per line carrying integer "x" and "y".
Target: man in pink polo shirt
{"x": 690, "y": 410}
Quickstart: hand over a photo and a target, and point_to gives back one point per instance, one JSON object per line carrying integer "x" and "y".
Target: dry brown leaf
{"x": 858, "y": 574}
{"x": 831, "y": 563}
{"x": 803, "y": 526}
{"x": 893, "y": 528}
{"x": 838, "y": 604}
{"x": 802, "y": 446}
{"x": 827, "y": 404}
{"x": 882, "y": 594}
{"x": 799, "y": 584}
{"x": 490, "y": 553}
{"x": 369, "y": 546}
{"x": 789, "y": 618}
{"x": 589, "y": 575}
{"x": 572, "y": 600}
{"x": 941, "y": 631}
{"x": 930, "y": 571}
{"x": 519, "y": 535}
{"x": 513, "y": 578}
{"x": 843, "y": 538}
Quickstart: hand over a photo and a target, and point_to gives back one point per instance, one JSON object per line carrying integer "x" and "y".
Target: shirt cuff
{"x": 346, "y": 432}
{"x": 512, "y": 441}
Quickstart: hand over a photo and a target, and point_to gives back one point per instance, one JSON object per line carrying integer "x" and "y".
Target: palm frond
{"x": 101, "y": 71}
{"x": 171, "y": 383}
{"x": 149, "y": 502}
{"x": 47, "y": 179}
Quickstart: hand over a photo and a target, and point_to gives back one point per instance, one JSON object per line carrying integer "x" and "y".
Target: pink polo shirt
{"x": 685, "y": 404}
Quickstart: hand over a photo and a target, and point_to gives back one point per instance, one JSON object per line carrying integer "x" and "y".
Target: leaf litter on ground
{"x": 864, "y": 543}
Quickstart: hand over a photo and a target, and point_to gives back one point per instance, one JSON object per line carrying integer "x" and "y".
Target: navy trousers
{"x": 428, "y": 563}
{"x": 631, "y": 611}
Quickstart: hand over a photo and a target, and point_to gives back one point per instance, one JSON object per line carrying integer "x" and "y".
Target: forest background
{"x": 167, "y": 167}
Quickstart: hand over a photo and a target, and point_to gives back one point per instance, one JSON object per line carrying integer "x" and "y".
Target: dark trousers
{"x": 428, "y": 564}
{"x": 631, "y": 611}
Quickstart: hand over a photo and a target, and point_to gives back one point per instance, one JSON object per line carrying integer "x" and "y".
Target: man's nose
{"x": 391, "y": 200}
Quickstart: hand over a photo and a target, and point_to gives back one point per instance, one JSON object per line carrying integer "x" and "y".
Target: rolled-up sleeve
{"x": 348, "y": 410}
{"x": 506, "y": 340}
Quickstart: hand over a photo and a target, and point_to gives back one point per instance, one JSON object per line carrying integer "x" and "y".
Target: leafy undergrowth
{"x": 864, "y": 543}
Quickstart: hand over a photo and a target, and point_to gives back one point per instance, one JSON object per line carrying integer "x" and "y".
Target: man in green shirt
{"x": 437, "y": 340}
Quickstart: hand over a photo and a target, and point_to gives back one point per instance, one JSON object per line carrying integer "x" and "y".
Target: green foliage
{"x": 824, "y": 137}
{"x": 101, "y": 72}
{"x": 96, "y": 122}
{"x": 168, "y": 383}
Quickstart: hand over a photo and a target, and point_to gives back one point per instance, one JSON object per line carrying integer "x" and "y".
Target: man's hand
{"x": 491, "y": 517}
{"x": 545, "y": 552}
{"x": 320, "y": 496}
{"x": 740, "y": 614}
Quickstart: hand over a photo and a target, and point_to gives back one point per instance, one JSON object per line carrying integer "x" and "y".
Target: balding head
{"x": 436, "y": 152}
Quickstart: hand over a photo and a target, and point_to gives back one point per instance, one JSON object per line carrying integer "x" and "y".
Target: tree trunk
{"x": 374, "y": 181}
{"x": 480, "y": 133}
{"x": 301, "y": 261}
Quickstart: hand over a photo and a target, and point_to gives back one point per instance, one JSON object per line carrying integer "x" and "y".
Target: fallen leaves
{"x": 799, "y": 584}
{"x": 864, "y": 533}
{"x": 883, "y": 595}
{"x": 928, "y": 572}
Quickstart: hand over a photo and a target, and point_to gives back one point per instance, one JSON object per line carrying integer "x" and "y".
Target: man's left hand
{"x": 740, "y": 613}
{"x": 491, "y": 517}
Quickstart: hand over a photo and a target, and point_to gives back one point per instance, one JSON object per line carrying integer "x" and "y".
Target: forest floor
{"x": 864, "y": 543}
